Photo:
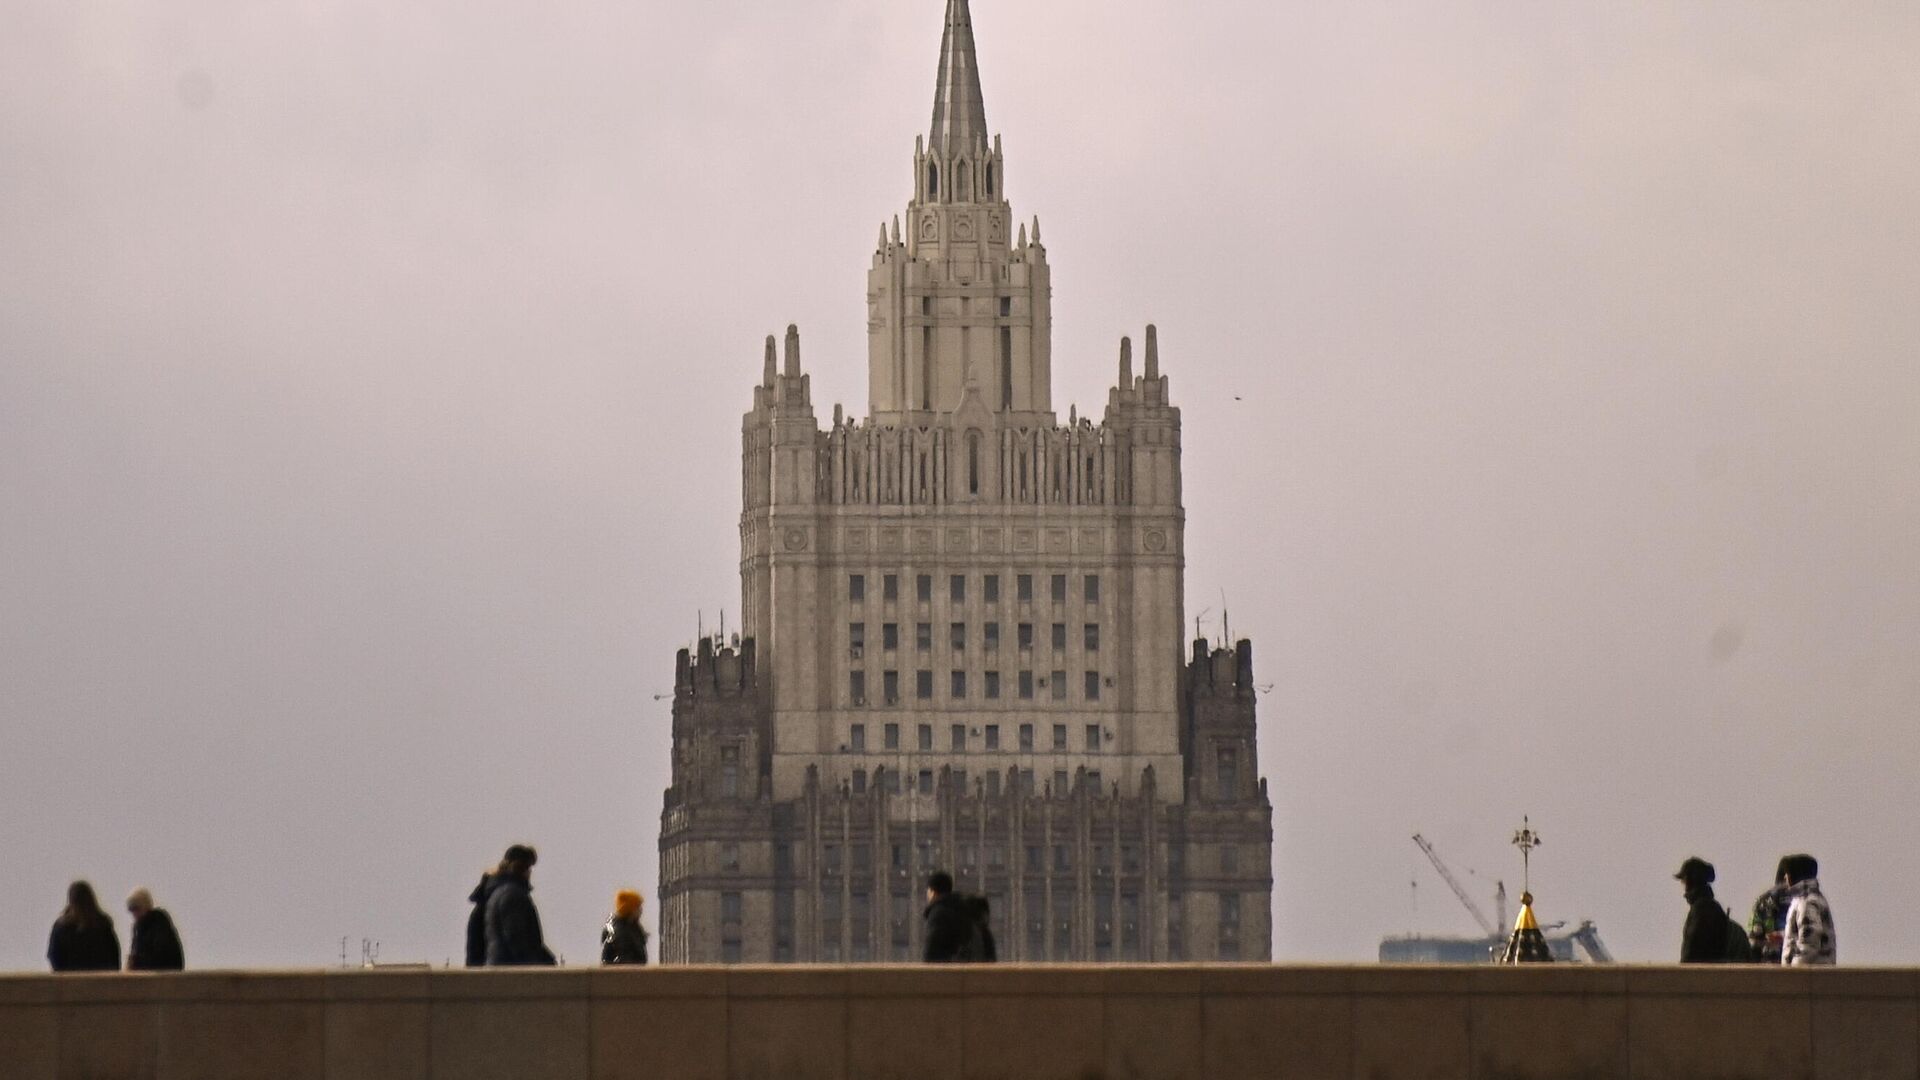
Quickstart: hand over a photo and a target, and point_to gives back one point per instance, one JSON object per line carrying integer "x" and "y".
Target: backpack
{"x": 1739, "y": 950}
{"x": 978, "y": 948}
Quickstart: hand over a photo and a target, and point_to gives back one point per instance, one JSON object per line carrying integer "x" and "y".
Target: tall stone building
{"x": 961, "y": 636}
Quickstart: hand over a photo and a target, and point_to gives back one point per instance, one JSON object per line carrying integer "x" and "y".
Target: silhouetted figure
{"x": 83, "y": 937}
{"x": 981, "y": 948}
{"x": 513, "y": 923}
{"x": 1710, "y": 936}
{"x": 949, "y": 927}
{"x": 1767, "y": 928}
{"x": 623, "y": 940}
{"x": 477, "y": 921}
{"x": 1809, "y": 937}
{"x": 155, "y": 942}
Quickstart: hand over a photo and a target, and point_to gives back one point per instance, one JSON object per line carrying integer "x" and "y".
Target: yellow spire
{"x": 1526, "y": 920}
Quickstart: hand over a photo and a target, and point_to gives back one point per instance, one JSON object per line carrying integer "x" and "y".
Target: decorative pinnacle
{"x": 793, "y": 350}
{"x": 766, "y": 375}
{"x": 1526, "y": 840}
{"x": 1153, "y": 353}
{"x": 959, "y": 113}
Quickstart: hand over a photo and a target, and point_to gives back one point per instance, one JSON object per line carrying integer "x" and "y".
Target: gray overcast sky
{"x": 371, "y": 377}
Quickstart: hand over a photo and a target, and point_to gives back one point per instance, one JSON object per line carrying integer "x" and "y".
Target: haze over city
{"x": 371, "y": 378}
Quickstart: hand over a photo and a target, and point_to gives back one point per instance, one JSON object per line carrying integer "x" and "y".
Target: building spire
{"x": 959, "y": 114}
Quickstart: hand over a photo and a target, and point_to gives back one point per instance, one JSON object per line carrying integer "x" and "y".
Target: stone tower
{"x": 962, "y": 635}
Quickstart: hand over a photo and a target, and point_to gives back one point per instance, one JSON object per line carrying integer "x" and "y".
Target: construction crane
{"x": 1446, "y": 875}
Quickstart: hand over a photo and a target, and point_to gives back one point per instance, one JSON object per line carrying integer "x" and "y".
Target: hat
{"x": 1696, "y": 869}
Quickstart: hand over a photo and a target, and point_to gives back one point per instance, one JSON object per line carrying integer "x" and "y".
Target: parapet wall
{"x": 1077, "y": 1023}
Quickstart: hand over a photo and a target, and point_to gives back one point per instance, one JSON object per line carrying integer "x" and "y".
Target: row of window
{"x": 1025, "y": 684}
{"x": 957, "y": 637}
{"x": 968, "y": 856}
{"x": 959, "y": 737}
{"x": 889, "y": 781}
{"x": 957, "y": 588}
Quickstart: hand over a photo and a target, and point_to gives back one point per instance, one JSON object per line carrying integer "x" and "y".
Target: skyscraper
{"x": 961, "y": 635}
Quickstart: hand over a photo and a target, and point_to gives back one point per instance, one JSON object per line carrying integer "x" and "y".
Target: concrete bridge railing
{"x": 1032, "y": 1023}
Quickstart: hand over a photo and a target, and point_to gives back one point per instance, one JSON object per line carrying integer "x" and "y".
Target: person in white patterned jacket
{"x": 1809, "y": 936}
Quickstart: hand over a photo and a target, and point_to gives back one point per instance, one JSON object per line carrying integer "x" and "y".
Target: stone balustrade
{"x": 1071, "y": 1022}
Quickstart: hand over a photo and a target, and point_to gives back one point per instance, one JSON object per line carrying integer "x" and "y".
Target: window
{"x": 1059, "y": 736}
{"x": 856, "y": 639}
{"x": 957, "y": 634}
{"x": 957, "y": 588}
{"x": 729, "y": 772}
{"x": 923, "y": 588}
{"x": 1060, "y": 789}
{"x": 990, "y": 637}
{"x": 1026, "y": 782}
{"x": 1026, "y": 636}
{"x": 890, "y": 636}
{"x": 960, "y": 782}
{"x": 959, "y": 731}
{"x": 923, "y": 688}
{"x": 1093, "y": 781}
{"x": 1091, "y": 637}
{"x": 1093, "y": 686}
{"x": 1062, "y": 858}
{"x": 893, "y": 781}
{"x": 1229, "y": 770}
{"x": 923, "y": 636}
{"x": 1229, "y": 909}
{"x": 1026, "y": 730}
{"x": 959, "y": 691}
{"x": 1059, "y": 637}
{"x": 1093, "y": 588}
{"x": 1093, "y": 738}
{"x": 858, "y": 739}
{"x": 1024, "y": 588}
{"x": 1059, "y": 588}
{"x": 890, "y": 685}
{"x": 1006, "y": 302}
{"x": 730, "y": 857}
{"x": 856, "y": 587}
{"x": 730, "y": 950}
{"x": 1058, "y": 681}
{"x": 1229, "y": 859}
{"x": 1026, "y": 694}
{"x": 990, "y": 588}
{"x": 830, "y": 859}
{"x": 993, "y": 730}
{"x": 859, "y": 781}
{"x": 992, "y": 689}
{"x": 993, "y": 788}
{"x": 730, "y": 907}
{"x": 926, "y": 787}
{"x": 892, "y": 734}
{"x": 857, "y": 688}
{"x": 926, "y": 734}
{"x": 890, "y": 587}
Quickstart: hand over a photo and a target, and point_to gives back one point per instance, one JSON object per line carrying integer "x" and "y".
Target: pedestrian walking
{"x": 623, "y": 940}
{"x": 1710, "y": 934}
{"x": 477, "y": 919}
{"x": 1808, "y": 938}
{"x": 155, "y": 941}
{"x": 1767, "y": 928}
{"x": 982, "y": 949}
{"x": 83, "y": 937}
{"x": 513, "y": 923}
{"x": 948, "y": 925}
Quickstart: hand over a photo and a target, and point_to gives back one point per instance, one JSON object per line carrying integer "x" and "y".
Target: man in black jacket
{"x": 1704, "y": 940}
{"x": 156, "y": 944}
{"x": 477, "y": 921}
{"x": 948, "y": 922}
{"x": 513, "y": 923}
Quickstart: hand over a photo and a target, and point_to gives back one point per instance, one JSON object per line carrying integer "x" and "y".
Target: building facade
{"x": 961, "y": 641}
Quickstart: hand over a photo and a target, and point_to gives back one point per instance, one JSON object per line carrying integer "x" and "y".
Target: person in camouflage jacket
{"x": 1809, "y": 937}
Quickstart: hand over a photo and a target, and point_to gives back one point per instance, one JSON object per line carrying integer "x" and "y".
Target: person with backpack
{"x": 623, "y": 940}
{"x": 512, "y": 922}
{"x": 980, "y": 946}
{"x": 1710, "y": 936}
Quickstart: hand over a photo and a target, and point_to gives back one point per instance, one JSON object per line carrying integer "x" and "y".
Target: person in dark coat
{"x": 949, "y": 925}
{"x": 1704, "y": 939}
{"x": 477, "y": 921}
{"x": 982, "y": 949}
{"x": 513, "y": 923}
{"x": 156, "y": 944}
{"x": 83, "y": 937}
{"x": 624, "y": 940}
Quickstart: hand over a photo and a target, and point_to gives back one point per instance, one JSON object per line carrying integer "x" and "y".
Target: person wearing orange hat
{"x": 624, "y": 940}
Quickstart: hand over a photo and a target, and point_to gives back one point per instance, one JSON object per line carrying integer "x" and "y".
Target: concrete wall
{"x": 1622, "y": 1023}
